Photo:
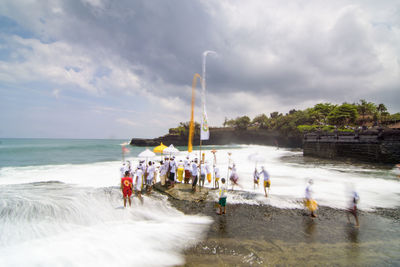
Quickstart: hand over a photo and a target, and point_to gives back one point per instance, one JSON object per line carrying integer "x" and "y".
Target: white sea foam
{"x": 53, "y": 224}
{"x": 289, "y": 175}
{"x": 376, "y": 187}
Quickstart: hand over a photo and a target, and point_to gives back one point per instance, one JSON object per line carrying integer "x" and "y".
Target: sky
{"x": 124, "y": 69}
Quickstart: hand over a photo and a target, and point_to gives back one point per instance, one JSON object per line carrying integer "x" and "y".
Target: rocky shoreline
{"x": 262, "y": 235}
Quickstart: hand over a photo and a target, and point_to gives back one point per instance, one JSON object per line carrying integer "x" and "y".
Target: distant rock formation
{"x": 226, "y": 136}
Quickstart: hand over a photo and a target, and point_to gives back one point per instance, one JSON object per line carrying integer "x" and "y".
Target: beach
{"x": 262, "y": 235}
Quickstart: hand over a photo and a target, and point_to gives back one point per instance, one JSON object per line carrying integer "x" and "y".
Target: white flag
{"x": 204, "y": 132}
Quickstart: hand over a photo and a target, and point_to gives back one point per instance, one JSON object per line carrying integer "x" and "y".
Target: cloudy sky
{"x": 124, "y": 68}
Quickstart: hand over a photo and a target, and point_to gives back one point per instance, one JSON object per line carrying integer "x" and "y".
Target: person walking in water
{"x": 138, "y": 183}
{"x": 256, "y": 178}
{"x": 353, "y": 207}
{"x": 217, "y": 175}
{"x": 222, "y": 197}
{"x": 267, "y": 180}
{"x": 310, "y": 203}
{"x": 126, "y": 188}
{"x": 234, "y": 176}
{"x": 202, "y": 174}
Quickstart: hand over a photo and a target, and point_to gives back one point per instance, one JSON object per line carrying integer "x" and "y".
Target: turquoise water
{"x": 33, "y": 152}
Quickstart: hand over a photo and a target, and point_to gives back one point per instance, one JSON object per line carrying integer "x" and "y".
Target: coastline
{"x": 262, "y": 235}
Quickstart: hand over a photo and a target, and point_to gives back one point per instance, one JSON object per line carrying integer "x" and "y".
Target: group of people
{"x": 144, "y": 176}
{"x": 312, "y": 205}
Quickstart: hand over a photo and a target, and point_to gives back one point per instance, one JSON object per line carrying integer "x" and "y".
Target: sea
{"x": 60, "y": 203}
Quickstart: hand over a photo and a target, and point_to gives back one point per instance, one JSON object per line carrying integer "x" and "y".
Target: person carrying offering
{"x": 126, "y": 187}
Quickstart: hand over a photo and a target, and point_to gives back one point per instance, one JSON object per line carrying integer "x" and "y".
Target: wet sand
{"x": 261, "y": 235}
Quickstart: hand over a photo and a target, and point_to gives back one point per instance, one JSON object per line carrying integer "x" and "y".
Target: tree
{"x": 342, "y": 115}
{"x": 242, "y": 123}
{"x": 322, "y": 111}
{"x": 365, "y": 108}
{"x": 262, "y": 121}
{"x": 274, "y": 115}
{"x": 382, "y": 112}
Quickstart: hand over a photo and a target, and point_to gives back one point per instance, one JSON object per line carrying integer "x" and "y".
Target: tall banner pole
{"x": 191, "y": 126}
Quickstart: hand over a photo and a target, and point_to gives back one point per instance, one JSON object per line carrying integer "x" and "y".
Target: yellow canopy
{"x": 160, "y": 148}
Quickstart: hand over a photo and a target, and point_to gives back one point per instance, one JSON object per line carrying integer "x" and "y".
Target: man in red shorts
{"x": 126, "y": 187}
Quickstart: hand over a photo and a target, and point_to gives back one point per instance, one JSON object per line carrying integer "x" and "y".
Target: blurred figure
{"x": 126, "y": 188}
{"x": 234, "y": 176}
{"x": 179, "y": 172}
{"x": 188, "y": 175}
{"x": 267, "y": 180}
{"x": 256, "y": 178}
{"x": 172, "y": 171}
{"x": 398, "y": 170}
{"x": 163, "y": 172}
{"x": 194, "y": 170}
{"x": 310, "y": 203}
{"x": 138, "y": 177}
{"x": 122, "y": 170}
{"x": 354, "y": 199}
{"x": 202, "y": 174}
{"x": 150, "y": 176}
{"x": 208, "y": 172}
{"x": 222, "y": 197}
{"x": 217, "y": 175}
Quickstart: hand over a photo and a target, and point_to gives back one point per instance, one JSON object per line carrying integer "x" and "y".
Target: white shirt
{"x": 173, "y": 166}
{"x": 139, "y": 177}
{"x": 265, "y": 174}
{"x": 208, "y": 169}
{"x": 203, "y": 169}
{"x": 194, "y": 169}
{"x": 163, "y": 169}
{"x": 222, "y": 191}
{"x": 216, "y": 171}
{"x": 308, "y": 192}
{"x": 187, "y": 164}
{"x": 150, "y": 170}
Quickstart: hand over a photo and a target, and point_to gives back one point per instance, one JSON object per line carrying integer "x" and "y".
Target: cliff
{"x": 226, "y": 136}
{"x": 380, "y": 145}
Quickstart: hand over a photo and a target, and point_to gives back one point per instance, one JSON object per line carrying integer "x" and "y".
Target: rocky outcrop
{"x": 226, "y": 136}
{"x": 184, "y": 192}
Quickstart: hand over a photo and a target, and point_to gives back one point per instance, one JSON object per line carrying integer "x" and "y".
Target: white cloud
{"x": 126, "y": 121}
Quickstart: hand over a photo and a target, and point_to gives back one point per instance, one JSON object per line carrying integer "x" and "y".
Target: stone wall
{"x": 381, "y": 145}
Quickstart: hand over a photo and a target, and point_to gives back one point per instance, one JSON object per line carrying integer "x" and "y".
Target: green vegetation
{"x": 323, "y": 117}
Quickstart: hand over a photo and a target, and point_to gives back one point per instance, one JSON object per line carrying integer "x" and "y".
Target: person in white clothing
{"x": 138, "y": 183}
{"x": 172, "y": 171}
{"x": 256, "y": 178}
{"x": 267, "y": 180}
{"x": 188, "y": 174}
{"x": 194, "y": 172}
{"x": 150, "y": 176}
{"x": 310, "y": 203}
{"x": 163, "y": 172}
{"x": 217, "y": 176}
{"x": 234, "y": 176}
{"x": 202, "y": 174}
